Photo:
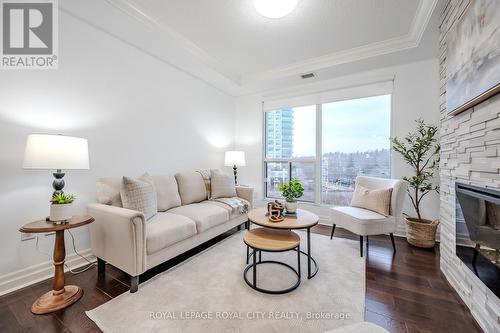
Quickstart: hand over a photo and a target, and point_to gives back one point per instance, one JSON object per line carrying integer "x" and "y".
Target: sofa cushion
{"x": 222, "y": 186}
{"x": 139, "y": 194}
{"x": 191, "y": 187}
{"x": 167, "y": 192}
{"x": 204, "y": 215}
{"x": 377, "y": 200}
{"x": 165, "y": 229}
{"x": 108, "y": 191}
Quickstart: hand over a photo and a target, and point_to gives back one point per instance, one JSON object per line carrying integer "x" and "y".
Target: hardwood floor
{"x": 405, "y": 292}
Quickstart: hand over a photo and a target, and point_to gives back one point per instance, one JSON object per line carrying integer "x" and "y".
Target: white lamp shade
{"x": 234, "y": 158}
{"x": 52, "y": 152}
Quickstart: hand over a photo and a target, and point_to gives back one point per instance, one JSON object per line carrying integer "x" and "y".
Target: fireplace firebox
{"x": 479, "y": 232}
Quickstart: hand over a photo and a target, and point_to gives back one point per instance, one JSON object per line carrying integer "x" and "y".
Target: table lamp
{"x": 234, "y": 159}
{"x": 56, "y": 152}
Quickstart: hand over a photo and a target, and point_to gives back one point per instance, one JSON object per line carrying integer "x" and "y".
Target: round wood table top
{"x": 303, "y": 219}
{"x": 273, "y": 240}
{"x": 49, "y": 226}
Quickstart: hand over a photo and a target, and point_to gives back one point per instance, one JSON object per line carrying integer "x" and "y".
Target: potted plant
{"x": 62, "y": 207}
{"x": 291, "y": 191}
{"x": 420, "y": 150}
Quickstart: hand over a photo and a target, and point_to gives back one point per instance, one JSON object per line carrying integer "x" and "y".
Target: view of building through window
{"x": 354, "y": 141}
{"x": 290, "y": 149}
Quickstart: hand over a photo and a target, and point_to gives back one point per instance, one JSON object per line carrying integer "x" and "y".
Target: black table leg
{"x": 298, "y": 259}
{"x": 254, "y": 268}
{"x": 309, "y": 253}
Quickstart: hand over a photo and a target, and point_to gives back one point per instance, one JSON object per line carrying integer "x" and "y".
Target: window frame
{"x": 318, "y": 158}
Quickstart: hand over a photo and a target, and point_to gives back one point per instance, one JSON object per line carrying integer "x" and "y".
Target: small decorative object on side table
{"x": 275, "y": 211}
{"x": 61, "y": 296}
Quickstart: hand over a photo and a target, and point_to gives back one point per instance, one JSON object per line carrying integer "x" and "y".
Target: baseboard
{"x": 39, "y": 272}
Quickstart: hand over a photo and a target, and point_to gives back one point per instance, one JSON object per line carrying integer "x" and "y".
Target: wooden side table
{"x": 61, "y": 296}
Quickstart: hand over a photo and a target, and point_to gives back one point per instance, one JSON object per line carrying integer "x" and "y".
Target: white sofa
{"x": 185, "y": 219}
{"x": 364, "y": 222}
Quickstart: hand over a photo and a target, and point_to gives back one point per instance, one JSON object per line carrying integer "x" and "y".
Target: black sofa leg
{"x": 101, "y": 267}
{"x": 333, "y": 230}
{"x": 360, "y": 246}
{"x": 393, "y": 243}
{"x": 134, "y": 283}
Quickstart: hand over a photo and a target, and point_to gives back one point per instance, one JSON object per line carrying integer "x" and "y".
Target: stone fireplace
{"x": 478, "y": 229}
{"x": 470, "y": 155}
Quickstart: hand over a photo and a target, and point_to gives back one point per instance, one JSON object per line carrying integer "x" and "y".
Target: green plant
{"x": 62, "y": 199}
{"x": 420, "y": 150}
{"x": 291, "y": 190}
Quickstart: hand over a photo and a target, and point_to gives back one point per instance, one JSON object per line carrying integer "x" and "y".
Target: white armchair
{"x": 364, "y": 222}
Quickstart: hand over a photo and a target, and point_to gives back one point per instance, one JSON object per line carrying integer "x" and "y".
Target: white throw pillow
{"x": 108, "y": 191}
{"x": 139, "y": 194}
{"x": 167, "y": 192}
{"x": 222, "y": 186}
{"x": 191, "y": 187}
{"x": 378, "y": 200}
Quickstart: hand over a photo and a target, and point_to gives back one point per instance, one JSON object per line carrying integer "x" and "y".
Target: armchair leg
{"x": 333, "y": 230}
{"x": 360, "y": 246}
{"x": 101, "y": 267}
{"x": 393, "y": 243}
{"x": 134, "y": 283}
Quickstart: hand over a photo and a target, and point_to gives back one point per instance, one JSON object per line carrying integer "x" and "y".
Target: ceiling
{"x": 234, "y": 33}
{"x": 228, "y": 44}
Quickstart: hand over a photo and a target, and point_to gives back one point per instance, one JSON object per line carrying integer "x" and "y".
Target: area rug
{"x": 207, "y": 293}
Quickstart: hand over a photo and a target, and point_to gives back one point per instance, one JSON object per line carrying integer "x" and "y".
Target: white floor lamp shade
{"x": 56, "y": 152}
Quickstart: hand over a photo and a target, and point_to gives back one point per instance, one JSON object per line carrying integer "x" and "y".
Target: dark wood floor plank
{"x": 405, "y": 292}
{"x": 388, "y": 323}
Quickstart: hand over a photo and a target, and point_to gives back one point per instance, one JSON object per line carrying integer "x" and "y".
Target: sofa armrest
{"x": 246, "y": 193}
{"x": 118, "y": 236}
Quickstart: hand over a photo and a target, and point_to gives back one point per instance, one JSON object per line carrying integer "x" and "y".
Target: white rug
{"x": 208, "y": 294}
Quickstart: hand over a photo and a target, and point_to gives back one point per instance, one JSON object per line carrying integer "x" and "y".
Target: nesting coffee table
{"x": 302, "y": 220}
{"x": 271, "y": 240}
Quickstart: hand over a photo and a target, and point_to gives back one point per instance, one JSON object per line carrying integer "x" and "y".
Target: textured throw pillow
{"x": 222, "y": 186}
{"x": 378, "y": 200}
{"x": 139, "y": 194}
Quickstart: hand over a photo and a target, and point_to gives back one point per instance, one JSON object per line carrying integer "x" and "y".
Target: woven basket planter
{"x": 421, "y": 233}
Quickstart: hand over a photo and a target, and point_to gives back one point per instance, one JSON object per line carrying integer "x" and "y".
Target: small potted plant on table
{"x": 291, "y": 191}
{"x": 420, "y": 150}
{"x": 61, "y": 208}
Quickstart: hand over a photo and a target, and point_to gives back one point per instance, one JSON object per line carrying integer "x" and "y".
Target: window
{"x": 355, "y": 142}
{"x": 291, "y": 149}
{"x": 353, "y": 139}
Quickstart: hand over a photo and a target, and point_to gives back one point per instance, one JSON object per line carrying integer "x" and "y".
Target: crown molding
{"x": 410, "y": 40}
{"x": 133, "y": 10}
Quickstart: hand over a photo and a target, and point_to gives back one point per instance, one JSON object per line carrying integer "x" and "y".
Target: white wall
{"x": 415, "y": 95}
{"x": 138, "y": 113}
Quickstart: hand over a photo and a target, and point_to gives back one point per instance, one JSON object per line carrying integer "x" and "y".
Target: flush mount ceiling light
{"x": 275, "y": 8}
